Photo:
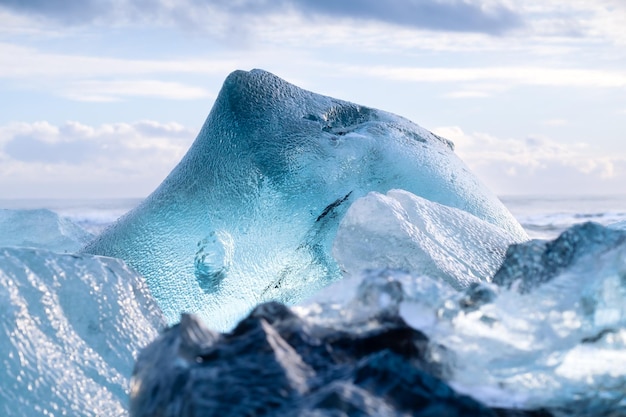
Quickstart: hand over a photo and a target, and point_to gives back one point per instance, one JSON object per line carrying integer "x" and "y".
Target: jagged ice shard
{"x": 413, "y": 234}
{"x": 251, "y": 211}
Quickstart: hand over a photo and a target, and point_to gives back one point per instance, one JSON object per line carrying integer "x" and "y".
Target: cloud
{"x": 467, "y": 94}
{"x": 106, "y": 79}
{"x": 537, "y": 165}
{"x": 105, "y": 91}
{"x": 516, "y": 75}
{"x": 22, "y": 62}
{"x": 555, "y": 122}
{"x": 32, "y": 149}
{"x": 65, "y": 10}
{"x": 448, "y": 15}
{"x": 580, "y": 19}
{"x": 461, "y": 16}
{"x": 74, "y": 159}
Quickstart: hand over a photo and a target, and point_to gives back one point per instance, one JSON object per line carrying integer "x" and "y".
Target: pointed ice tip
{"x": 253, "y": 78}
{"x": 247, "y": 93}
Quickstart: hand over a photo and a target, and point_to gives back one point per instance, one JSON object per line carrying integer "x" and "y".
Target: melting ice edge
{"x": 413, "y": 290}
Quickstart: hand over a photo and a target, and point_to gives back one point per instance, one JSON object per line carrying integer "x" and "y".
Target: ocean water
{"x": 93, "y": 215}
{"x": 543, "y": 217}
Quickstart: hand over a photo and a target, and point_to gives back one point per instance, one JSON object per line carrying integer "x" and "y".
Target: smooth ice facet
{"x": 402, "y": 231}
{"x": 274, "y": 168}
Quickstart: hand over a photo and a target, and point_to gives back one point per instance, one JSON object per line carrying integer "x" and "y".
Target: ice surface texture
{"x": 530, "y": 264}
{"x": 275, "y": 363}
{"x": 553, "y": 336}
{"x": 41, "y": 228}
{"x": 400, "y": 230}
{"x": 251, "y": 211}
{"x": 70, "y": 329}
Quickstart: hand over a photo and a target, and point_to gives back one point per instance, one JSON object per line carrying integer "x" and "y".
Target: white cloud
{"x": 477, "y": 90}
{"x": 18, "y": 62}
{"x": 74, "y": 159}
{"x": 467, "y": 94}
{"x": 555, "y": 122}
{"x": 104, "y": 91}
{"x": 596, "y": 19}
{"x": 105, "y": 79}
{"x": 313, "y": 42}
{"x": 557, "y": 77}
{"x": 466, "y": 16}
{"x": 537, "y": 165}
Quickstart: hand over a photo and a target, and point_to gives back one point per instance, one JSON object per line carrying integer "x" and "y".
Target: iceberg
{"x": 41, "y": 228}
{"x": 71, "y": 327}
{"x": 387, "y": 342}
{"x": 413, "y": 234}
{"x": 251, "y": 211}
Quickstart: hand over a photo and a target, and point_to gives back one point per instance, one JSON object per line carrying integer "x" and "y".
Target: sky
{"x": 101, "y": 99}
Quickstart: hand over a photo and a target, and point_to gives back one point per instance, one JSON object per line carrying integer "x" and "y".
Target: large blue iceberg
{"x": 251, "y": 211}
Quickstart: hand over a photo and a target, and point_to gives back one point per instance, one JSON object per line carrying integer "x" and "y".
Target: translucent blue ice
{"x": 70, "y": 329}
{"x": 251, "y": 211}
{"x": 400, "y": 230}
{"x": 41, "y": 228}
{"x": 553, "y": 336}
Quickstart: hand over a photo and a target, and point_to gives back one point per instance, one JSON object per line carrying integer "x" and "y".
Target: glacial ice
{"x": 41, "y": 228}
{"x": 550, "y": 340}
{"x": 552, "y": 337}
{"x": 414, "y": 234}
{"x": 70, "y": 329}
{"x": 251, "y": 211}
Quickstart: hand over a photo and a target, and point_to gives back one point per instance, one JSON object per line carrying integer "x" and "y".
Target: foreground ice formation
{"x": 41, "y": 228}
{"x": 275, "y": 363}
{"x": 391, "y": 343}
{"x": 414, "y": 234}
{"x": 70, "y": 329}
{"x": 553, "y": 336}
{"x": 251, "y": 211}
